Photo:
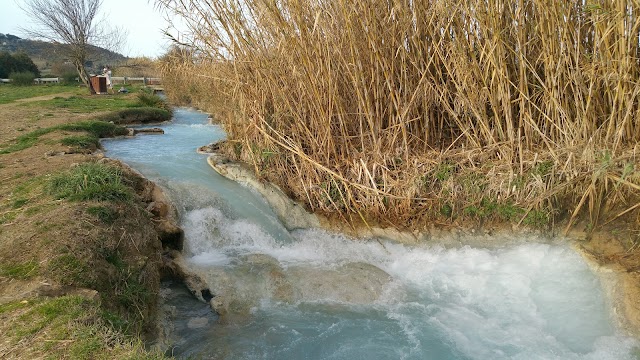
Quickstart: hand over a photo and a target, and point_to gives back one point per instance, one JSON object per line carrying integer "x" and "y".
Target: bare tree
{"x": 74, "y": 23}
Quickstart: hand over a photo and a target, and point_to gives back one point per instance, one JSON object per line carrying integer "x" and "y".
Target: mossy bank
{"x": 81, "y": 235}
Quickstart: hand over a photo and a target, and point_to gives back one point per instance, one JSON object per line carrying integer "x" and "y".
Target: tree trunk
{"x": 83, "y": 75}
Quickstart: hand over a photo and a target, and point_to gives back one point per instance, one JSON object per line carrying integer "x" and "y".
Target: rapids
{"x": 312, "y": 294}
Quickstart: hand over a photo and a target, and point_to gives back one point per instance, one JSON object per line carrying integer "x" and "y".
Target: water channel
{"x": 311, "y": 294}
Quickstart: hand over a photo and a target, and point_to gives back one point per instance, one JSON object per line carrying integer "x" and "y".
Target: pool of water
{"x": 311, "y": 294}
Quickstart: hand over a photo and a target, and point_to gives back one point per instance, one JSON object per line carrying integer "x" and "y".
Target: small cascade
{"x": 312, "y": 294}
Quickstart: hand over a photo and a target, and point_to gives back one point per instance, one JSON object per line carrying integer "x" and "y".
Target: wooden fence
{"x": 124, "y": 80}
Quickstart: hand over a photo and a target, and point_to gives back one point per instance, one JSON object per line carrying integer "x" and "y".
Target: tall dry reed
{"x": 398, "y": 111}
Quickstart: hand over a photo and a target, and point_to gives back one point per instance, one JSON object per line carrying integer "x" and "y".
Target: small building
{"x": 99, "y": 84}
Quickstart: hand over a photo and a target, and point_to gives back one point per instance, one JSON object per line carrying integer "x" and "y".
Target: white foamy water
{"x": 311, "y": 294}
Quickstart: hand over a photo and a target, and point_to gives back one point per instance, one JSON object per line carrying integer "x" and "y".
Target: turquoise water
{"x": 310, "y": 294}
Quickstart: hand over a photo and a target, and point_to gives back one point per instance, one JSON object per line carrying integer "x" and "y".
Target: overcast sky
{"x": 144, "y": 24}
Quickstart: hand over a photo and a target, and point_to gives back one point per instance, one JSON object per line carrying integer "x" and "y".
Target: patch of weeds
{"x": 537, "y": 218}
{"x": 55, "y": 312}
{"x": 18, "y": 203}
{"x": 473, "y": 211}
{"x": 443, "y": 172}
{"x": 21, "y": 271}
{"x": 43, "y": 228}
{"x": 141, "y": 115}
{"x": 115, "y": 321}
{"x": 264, "y": 155}
{"x": 81, "y": 141}
{"x": 105, "y": 214}
{"x": 519, "y": 182}
{"x": 85, "y": 104}
{"x": 332, "y": 193}
{"x": 91, "y": 181}
{"x": 113, "y": 257}
{"x": 26, "y": 141}
{"x": 69, "y": 270}
{"x": 33, "y": 210}
{"x": 8, "y": 217}
{"x": 509, "y": 212}
{"x": 483, "y": 210}
{"x": 605, "y": 161}
{"x": 474, "y": 183}
{"x": 10, "y": 93}
{"x": 133, "y": 293}
{"x": 98, "y": 129}
{"x": 237, "y": 149}
{"x": 153, "y": 100}
{"x": 87, "y": 344}
{"x": 8, "y": 307}
{"x": 628, "y": 169}
{"x": 543, "y": 168}
{"x": 28, "y": 186}
{"x": 446, "y": 210}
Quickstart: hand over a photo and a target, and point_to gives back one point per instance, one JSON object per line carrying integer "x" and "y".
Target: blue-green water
{"x": 310, "y": 294}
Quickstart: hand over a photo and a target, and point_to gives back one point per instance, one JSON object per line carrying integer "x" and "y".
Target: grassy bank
{"x": 409, "y": 113}
{"x": 79, "y": 250}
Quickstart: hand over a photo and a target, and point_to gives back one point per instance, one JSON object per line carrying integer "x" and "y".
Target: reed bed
{"x": 402, "y": 112}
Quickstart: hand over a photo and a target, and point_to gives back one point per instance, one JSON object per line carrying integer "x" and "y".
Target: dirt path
{"x": 43, "y": 98}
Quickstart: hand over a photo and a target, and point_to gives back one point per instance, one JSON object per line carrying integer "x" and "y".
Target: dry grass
{"x": 403, "y": 111}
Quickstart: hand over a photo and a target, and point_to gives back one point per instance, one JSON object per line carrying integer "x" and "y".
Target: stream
{"x": 312, "y": 294}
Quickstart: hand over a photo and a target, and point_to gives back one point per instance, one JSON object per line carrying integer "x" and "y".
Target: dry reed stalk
{"x": 413, "y": 110}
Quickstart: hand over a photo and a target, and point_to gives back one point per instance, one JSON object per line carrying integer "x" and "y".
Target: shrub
{"x": 22, "y": 78}
{"x": 141, "y": 115}
{"x": 153, "y": 100}
{"x": 91, "y": 181}
{"x": 14, "y": 63}
{"x": 69, "y": 77}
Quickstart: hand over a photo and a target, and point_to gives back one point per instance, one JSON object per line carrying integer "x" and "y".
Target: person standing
{"x": 107, "y": 74}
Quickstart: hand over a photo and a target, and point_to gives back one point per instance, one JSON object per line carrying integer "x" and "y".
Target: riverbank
{"x": 80, "y": 256}
{"x": 615, "y": 261}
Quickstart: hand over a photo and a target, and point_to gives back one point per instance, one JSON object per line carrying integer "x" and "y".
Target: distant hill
{"x": 45, "y": 54}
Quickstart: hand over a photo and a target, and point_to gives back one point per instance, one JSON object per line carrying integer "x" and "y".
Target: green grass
{"x": 73, "y": 327}
{"x": 537, "y": 218}
{"x": 507, "y": 212}
{"x": 86, "y": 103}
{"x": 25, "y": 141}
{"x": 81, "y": 141}
{"x": 67, "y": 269}
{"x": 8, "y": 307}
{"x": 105, "y": 214}
{"x": 95, "y": 128}
{"x": 153, "y": 100}
{"x": 18, "y": 203}
{"x": 8, "y": 217}
{"x": 444, "y": 172}
{"x": 51, "y": 313}
{"x": 10, "y": 93}
{"x": 137, "y": 115}
{"x": 91, "y": 181}
{"x": 20, "y": 271}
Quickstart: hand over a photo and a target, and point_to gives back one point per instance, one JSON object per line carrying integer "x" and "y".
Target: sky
{"x": 144, "y": 24}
